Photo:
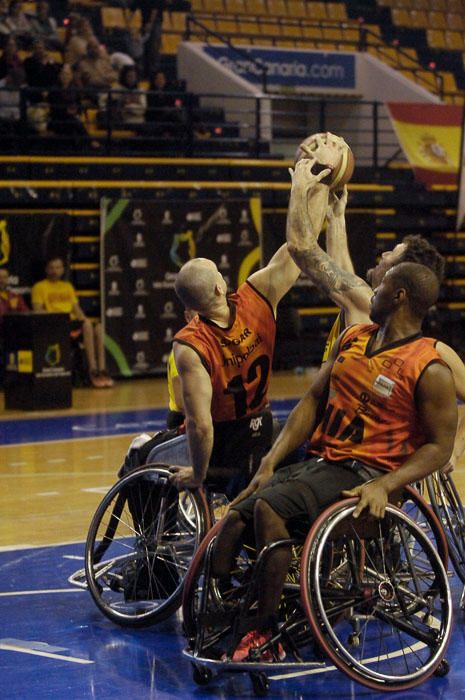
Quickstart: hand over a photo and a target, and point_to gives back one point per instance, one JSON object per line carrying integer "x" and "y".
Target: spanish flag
{"x": 430, "y": 136}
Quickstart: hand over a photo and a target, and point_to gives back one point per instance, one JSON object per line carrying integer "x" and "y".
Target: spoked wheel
{"x": 383, "y": 616}
{"x": 140, "y": 544}
{"x": 208, "y": 607}
{"x": 448, "y": 508}
{"x": 421, "y": 512}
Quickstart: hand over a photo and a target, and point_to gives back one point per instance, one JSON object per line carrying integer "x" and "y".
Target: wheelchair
{"x": 370, "y": 596}
{"x": 142, "y": 538}
{"x": 144, "y": 534}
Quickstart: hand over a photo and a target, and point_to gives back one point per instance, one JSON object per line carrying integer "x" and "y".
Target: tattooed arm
{"x": 346, "y": 289}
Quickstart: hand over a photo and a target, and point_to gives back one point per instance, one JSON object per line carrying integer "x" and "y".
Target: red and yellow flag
{"x": 430, "y": 136}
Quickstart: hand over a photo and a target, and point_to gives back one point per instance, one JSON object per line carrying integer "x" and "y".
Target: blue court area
{"x": 55, "y": 644}
{"x": 100, "y": 424}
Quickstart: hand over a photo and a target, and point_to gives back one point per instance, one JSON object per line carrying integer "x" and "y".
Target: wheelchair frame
{"x": 387, "y": 578}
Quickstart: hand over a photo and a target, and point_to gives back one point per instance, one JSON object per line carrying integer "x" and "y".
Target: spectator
{"x": 76, "y": 46}
{"x": 132, "y": 102}
{"x": 164, "y": 107}
{"x": 95, "y": 69}
{"x": 41, "y": 70}
{"x": 65, "y": 110}
{"x": 10, "y": 102}
{"x": 17, "y": 23}
{"x": 45, "y": 27}
{"x": 10, "y": 59}
{"x": 10, "y": 302}
{"x": 135, "y": 42}
{"x": 54, "y": 294}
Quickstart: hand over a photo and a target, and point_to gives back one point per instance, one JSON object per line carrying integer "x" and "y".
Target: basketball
{"x": 342, "y": 172}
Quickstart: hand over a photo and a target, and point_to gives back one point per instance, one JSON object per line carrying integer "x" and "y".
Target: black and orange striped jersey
{"x": 371, "y": 414}
{"x": 238, "y": 358}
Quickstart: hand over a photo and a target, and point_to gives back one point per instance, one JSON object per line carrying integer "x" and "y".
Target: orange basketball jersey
{"x": 238, "y": 358}
{"x": 371, "y": 414}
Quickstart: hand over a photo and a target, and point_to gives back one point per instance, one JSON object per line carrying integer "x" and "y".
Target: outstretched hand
{"x": 337, "y": 204}
{"x": 372, "y": 495}
{"x": 302, "y": 175}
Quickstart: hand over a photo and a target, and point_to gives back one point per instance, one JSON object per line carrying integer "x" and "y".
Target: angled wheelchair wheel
{"x": 140, "y": 543}
{"x": 382, "y": 612}
{"x": 449, "y": 510}
{"x": 208, "y": 608}
{"x": 417, "y": 509}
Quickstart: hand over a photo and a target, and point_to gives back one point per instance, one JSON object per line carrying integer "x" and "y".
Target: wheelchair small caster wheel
{"x": 201, "y": 675}
{"x": 354, "y": 640}
{"x": 443, "y": 669}
{"x": 260, "y": 684}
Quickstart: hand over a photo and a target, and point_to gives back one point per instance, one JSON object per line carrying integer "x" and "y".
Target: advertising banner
{"x": 143, "y": 246}
{"x": 430, "y": 136}
{"x": 290, "y": 69}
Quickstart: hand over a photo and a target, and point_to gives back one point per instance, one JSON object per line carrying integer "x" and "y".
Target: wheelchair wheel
{"x": 202, "y": 595}
{"x": 418, "y": 510}
{"x": 383, "y": 614}
{"x": 449, "y": 510}
{"x": 140, "y": 543}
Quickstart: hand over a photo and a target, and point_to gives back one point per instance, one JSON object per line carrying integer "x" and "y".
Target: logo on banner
{"x": 5, "y": 243}
{"x": 141, "y": 362}
{"x": 168, "y": 310}
{"x": 138, "y": 263}
{"x": 194, "y": 216}
{"x": 224, "y": 262}
{"x": 53, "y": 355}
{"x": 113, "y": 264}
{"x": 140, "y": 241}
{"x": 137, "y": 217}
{"x": 114, "y": 312}
{"x": 140, "y": 290}
{"x": 244, "y": 217}
{"x": 224, "y": 238}
{"x": 114, "y": 289}
{"x": 168, "y": 335}
{"x": 223, "y": 216}
{"x": 167, "y": 218}
{"x": 244, "y": 239}
{"x": 140, "y": 336}
{"x": 183, "y": 243}
{"x": 140, "y": 313}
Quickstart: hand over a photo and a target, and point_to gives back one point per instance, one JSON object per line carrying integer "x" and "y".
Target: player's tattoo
{"x": 323, "y": 271}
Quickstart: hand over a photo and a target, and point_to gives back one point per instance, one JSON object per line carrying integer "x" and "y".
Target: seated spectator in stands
{"x": 164, "y": 109}
{"x": 17, "y": 23}
{"x": 10, "y": 302}
{"x": 41, "y": 71}
{"x": 76, "y": 46}
{"x": 95, "y": 69}
{"x": 54, "y": 294}
{"x": 45, "y": 27}
{"x": 65, "y": 110}
{"x": 9, "y": 59}
{"x": 131, "y": 100}
{"x": 10, "y": 102}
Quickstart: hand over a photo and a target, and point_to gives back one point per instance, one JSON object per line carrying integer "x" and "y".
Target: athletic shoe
{"x": 96, "y": 380}
{"x": 253, "y": 640}
{"x": 107, "y": 380}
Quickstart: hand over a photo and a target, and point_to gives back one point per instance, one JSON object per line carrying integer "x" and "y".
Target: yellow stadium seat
{"x": 454, "y": 40}
{"x": 169, "y": 43}
{"x": 294, "y": 30}
{"x": 270, "y": 28}
{"x": 437, "y": 20}
{"x": 336, "y": 11}
{"x": 332, "y": 33}
{"x": 226, "y": 26}
{"x": 277, "y": 8}
{"x": 197, "y": 6}
{"x": 438, "y": 5}
{"x": 455, "y": 21}
{"x": 316, "y": 10}
{"x": 248, "y": 27}
{"x": 216, "y": 6}
{"x": 455, "y": 6}
{"x": 236, "y": 7}
{"x": 176, "y": 21}
{"x": 256, "y": 7}
{"x": 401, "y": 17}
{"x": 436, "y": 38}
{"x": 296, "y": 8}
{"x": 419, "y": 18}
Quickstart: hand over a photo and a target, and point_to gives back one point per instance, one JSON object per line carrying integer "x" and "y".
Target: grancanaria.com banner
{"x": 289, "y": 69}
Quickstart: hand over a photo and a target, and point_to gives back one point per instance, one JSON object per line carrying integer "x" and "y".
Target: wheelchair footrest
{"x": 250, "y": 666}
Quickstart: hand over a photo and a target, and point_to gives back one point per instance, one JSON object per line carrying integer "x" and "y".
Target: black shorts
{"x": 299, "y": 492}
{"x": 238, "y": 448}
